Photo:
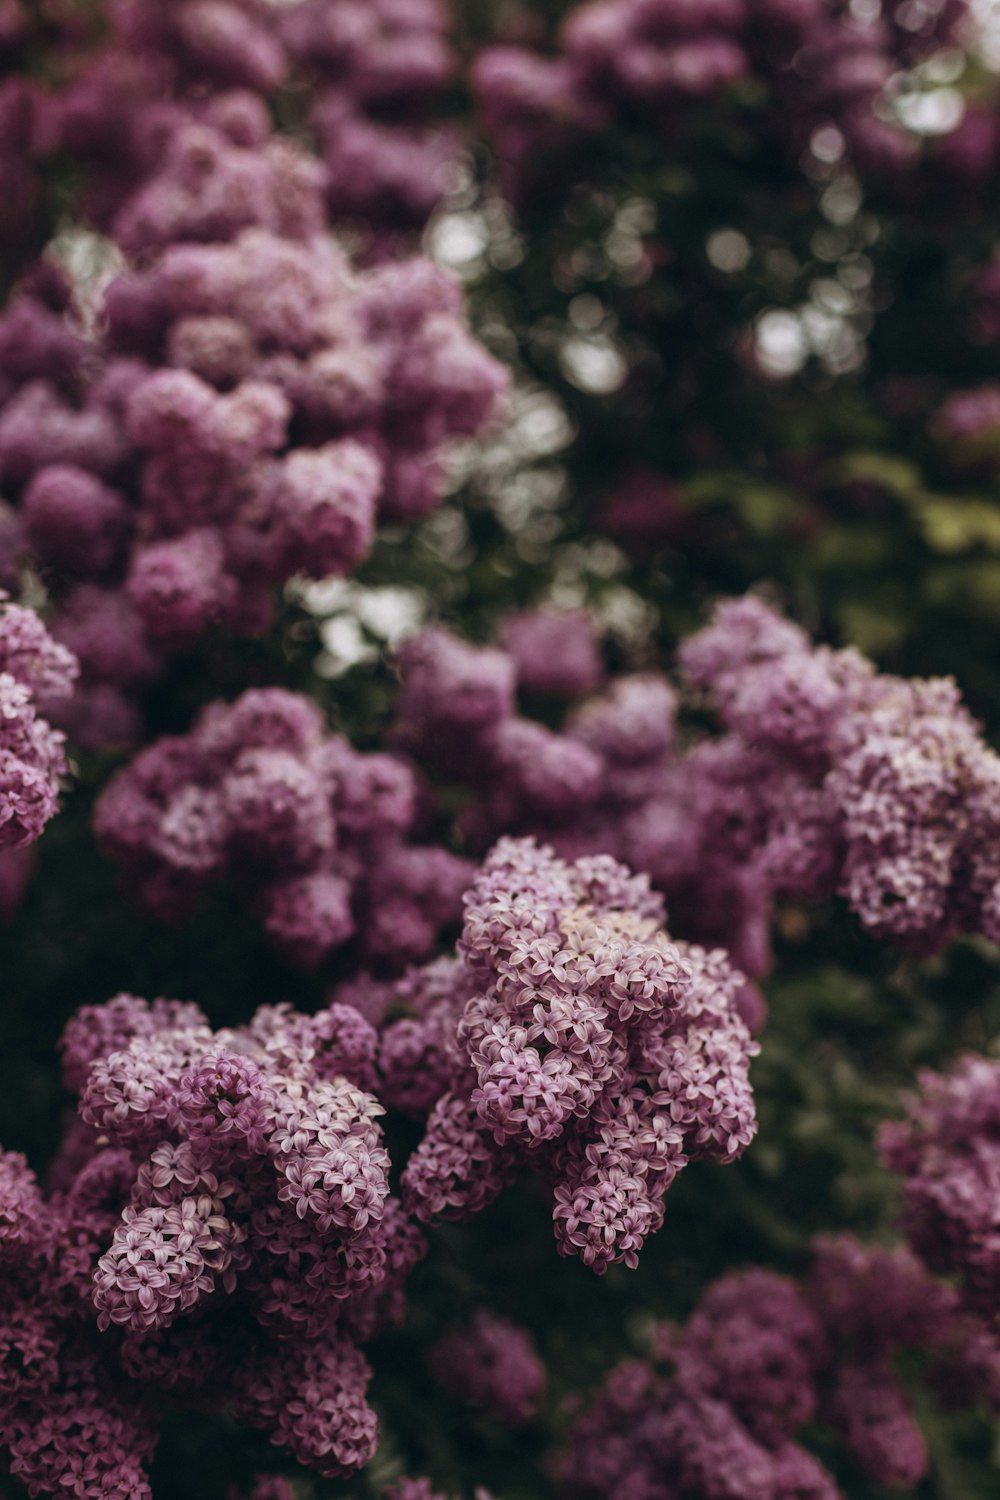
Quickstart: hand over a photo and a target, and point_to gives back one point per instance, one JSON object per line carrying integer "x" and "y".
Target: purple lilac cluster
{"x": 492, "y": 1365}
{"x": 828, "y": 778}
{"x": 947, "y": 1151}
{"x": 700, "y": 1434}
{"x": 364, "y": 76}
{"x": 376, "y": 68}
{"x": 250, "y": 410}
{"x": 715, "y": 1413}
{"x": 310, "y": 833}
{"x": 573, "y": 1038}
{"x": 219, "y": 1230}
{"x": 240, "y": 403}
{"x": 871, "y": 785}
{"x": 34, "y": 670}
{"x": 819, "y": 63}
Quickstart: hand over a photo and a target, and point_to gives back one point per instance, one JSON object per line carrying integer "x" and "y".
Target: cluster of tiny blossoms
{"x": 716, "y": 1412}
{"x": 818, "y": 63}
{"x": 828, "y": 778}
{"x": 250, "y": 410}
{"x": 238, "y": 403}
{"x": 33, "y": 669}
{"x": 947, "y": 1151}
{"x": 365, "y": 75}
{"x": 219, "y": 1230}
{"x": 306, "y": 830}
{"x": 377, "y": 69}
{"x": 571, "y": 1037}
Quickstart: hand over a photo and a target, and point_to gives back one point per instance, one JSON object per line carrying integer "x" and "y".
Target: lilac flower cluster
{"x": 369, "y": 74}
{"x": 34, "y": 670}
{"x": 375, "y": 70}
{"x": 818, "y": 62}
{"x": 874, "y": 786}
{"x": 220, "y": 1229}
{"x": 491, "y": 1365}
{"x": 570, "y": 1036}
{"x": 309, "y": 832}
{"x": 219, "y": 437}
{"x": 646, "y": 1433}
{"x": 240, "y": 404}
{"x": 715, "y": 1413}
{"x": 828, "y": 778}
{"x": 947, "y": 1151}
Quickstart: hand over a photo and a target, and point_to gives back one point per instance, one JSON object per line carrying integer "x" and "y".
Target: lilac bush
{"x": 499, "y": 567}
{"x": 33, "y": 669}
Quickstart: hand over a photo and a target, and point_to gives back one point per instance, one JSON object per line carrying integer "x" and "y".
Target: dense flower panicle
{"x": 947, "y": 1151}
{"x": 309, "y": 831}
{"x": 228, "y": 42}
{"x": 30, "y": 656}
{"x": 491, "y": 1365}
{"x": 412, "y": 892}
{"x": 73, "y": 521}
{"x": 375, "y": 70}
{"x": 246, "y": 405}
{"x": 754, "y": 1342}
{"x": 311, "y": 1397}
{"x": 215, "y": 398}
{"x": 226, "y": 1214}
{"x": 87, "y": 1444}
{"x": 878, "y": 1425}
{"x": 34, "y": 670}
{"x": 20, "y": 1211}
{"x": 457, "y": 1170}
{"x": 574, "y": 1037}
{"x": 644, "y": 1435}
{"x": 876, "y": 1298}
{"x": 875, "y": 1303}
{"x": 760, "y": 1358}
{"x": 162, "y": 1262}
{"x": 337, "y": 1042}
{"x": 451, "y": 687}
{"x": 65, "y": 1425}
{"x": 95, "y": 1031}
{"x": 827, "y": 778}
{"x": 380, "y": 1299}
